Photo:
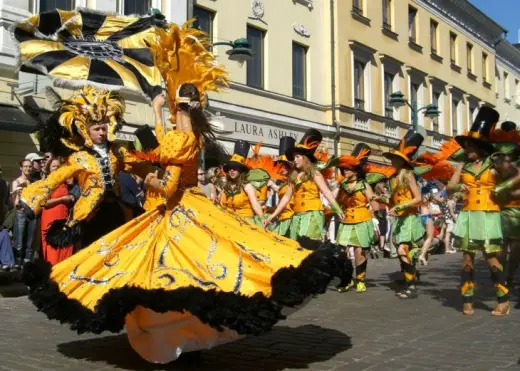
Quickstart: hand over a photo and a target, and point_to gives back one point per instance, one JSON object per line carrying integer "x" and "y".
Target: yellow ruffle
{"x": 192, "y": 244}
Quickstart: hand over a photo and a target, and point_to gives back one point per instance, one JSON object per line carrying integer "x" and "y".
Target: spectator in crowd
{"x": 24, "y": 228}
{"x": 132, "y": 194}
{"x": 205, "y": 186}
{"x": 46, "y": 164}
{"x": 4, "y": 197}
{"x": 381, "y": 190}
{"x": 56, "y": 208}
{"x": 6, "y": 252}
{"x": 36, "y": 162}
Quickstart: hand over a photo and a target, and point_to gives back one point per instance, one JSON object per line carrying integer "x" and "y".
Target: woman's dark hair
{"x": 199, "y": 122}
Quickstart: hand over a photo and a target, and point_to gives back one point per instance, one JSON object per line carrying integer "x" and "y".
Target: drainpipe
{"x": 335, "y": 122}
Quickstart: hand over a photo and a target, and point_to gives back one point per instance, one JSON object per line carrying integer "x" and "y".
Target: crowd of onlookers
{"x": 22, "y": 239}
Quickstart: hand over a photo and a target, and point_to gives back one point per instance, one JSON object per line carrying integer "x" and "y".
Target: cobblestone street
{"x": 371, "y": 331}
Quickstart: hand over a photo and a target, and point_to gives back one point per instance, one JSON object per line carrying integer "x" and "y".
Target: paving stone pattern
{"x": 370, "y": 331}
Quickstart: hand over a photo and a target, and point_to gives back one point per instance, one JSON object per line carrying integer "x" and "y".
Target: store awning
{"x": 12, "y": 118}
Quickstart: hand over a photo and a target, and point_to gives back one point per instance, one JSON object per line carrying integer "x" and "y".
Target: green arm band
{"x": 384, "y": 200}
{"x": 456, "y": 188}
{"x": 503, "y": 187}
{"x": 336, "y": 208}
{"x": 404, "y": 206}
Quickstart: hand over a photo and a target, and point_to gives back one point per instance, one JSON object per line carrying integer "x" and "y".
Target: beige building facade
{"x": 507, "y": 82}
{"x": 433, "y": 51}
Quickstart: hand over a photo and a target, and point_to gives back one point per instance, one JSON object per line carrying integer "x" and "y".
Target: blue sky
{"x": 505, "y": 12}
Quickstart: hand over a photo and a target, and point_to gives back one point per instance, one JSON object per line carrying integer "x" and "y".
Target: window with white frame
{"x": 388, "y": 80}
{"x": 129, "y": 7}
{"x": 436, "y": 100}
{"x": 47, "y": 5}
{"x": 456, "y": 121}
{"x": 472, "y": 112}
{"x": 416, "y": 97}
{"x": 359, "y": 84}
{"x": 517, "y": 91}
{"x": 507, "y": 92}
{"x": 361, "y": 57}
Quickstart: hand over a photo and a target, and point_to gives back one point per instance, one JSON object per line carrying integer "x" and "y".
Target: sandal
{"x": 408, "y": 294}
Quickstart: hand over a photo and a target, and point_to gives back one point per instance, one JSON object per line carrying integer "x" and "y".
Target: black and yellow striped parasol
{"x": 86, "y": 47}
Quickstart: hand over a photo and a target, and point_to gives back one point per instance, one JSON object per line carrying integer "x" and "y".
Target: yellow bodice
{"x": 307, "y": 197}
{"x": 480, "y": 185}
{"x": 237, "y": 203}
{"x": 261, "y": 194}
{"x": 354, "y": 204}
{"x": 288, "y": 211}
{"x": 401, "y": 195}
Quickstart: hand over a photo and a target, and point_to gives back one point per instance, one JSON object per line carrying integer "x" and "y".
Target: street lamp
{"x": 240, "y": 50}
{"x": 397, "y": 100}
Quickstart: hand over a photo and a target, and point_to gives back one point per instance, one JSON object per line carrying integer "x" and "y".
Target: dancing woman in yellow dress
{"x": 186, "y": 275}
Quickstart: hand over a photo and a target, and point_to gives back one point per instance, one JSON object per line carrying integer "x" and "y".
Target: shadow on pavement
{"x": 284, "y": 348}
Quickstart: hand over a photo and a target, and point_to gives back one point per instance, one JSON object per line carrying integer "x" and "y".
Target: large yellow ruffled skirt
{"x": 184, "y": 276}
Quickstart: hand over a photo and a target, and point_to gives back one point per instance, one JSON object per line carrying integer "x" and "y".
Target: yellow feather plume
{"x": 182, "y": 56}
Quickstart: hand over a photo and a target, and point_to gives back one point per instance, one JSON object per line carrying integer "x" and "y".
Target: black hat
{"x": 408, "y": 147}
{"x": 286, "y": 145}
{"x": 357, "y": 158}
{"x": 238, "y": 159}
{"x": 508, "y": 126}
{"x": 482, "y": 127}
{"x": 308, "y": 145}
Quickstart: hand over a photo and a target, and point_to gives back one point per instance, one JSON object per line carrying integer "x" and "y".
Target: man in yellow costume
{"x": 88, "y": 121}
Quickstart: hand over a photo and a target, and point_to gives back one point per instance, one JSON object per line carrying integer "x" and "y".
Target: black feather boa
{"x": 59, "y": 235}
{"x": 247, "y": 315}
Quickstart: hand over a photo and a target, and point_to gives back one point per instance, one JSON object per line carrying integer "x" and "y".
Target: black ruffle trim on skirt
{"x": 247, "y": 315}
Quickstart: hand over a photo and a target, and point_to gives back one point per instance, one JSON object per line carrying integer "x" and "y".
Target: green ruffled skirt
{"x": 309, "y": 224}
{"x": 407, "y": 229}
{"x": 511, "y": 222}
{"x": 283, "y": 228}
{"x": 478, "y": 230}
{"x": 256, "y": 220}
{"x": 358, "y": 235}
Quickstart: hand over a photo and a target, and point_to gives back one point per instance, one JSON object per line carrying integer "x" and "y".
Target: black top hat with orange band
{"x": 482, "y": 127}
{"x": 357, "y": 159}
{"x": 308, "y": 145}
{"x": 286, "y": 145}
{"x": 238, "y": 159}
{"x": 408, "y": 147}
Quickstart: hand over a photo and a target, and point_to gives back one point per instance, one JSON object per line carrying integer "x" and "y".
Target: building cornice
{"x": 468, "y": 19}
{"x": 278, "y": 97}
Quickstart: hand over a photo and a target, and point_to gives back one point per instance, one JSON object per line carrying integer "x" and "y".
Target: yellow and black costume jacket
{"x": 97, "y": 177}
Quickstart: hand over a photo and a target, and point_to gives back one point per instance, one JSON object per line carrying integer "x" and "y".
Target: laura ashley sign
{"x": 251, "y": 132}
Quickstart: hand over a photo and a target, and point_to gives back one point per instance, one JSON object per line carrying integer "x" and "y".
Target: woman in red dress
{"x": 57, "y": 207}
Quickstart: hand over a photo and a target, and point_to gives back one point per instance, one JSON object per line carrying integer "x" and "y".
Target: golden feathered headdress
{"x": 182, "y": 57}
{"x": 90, "y": 106}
